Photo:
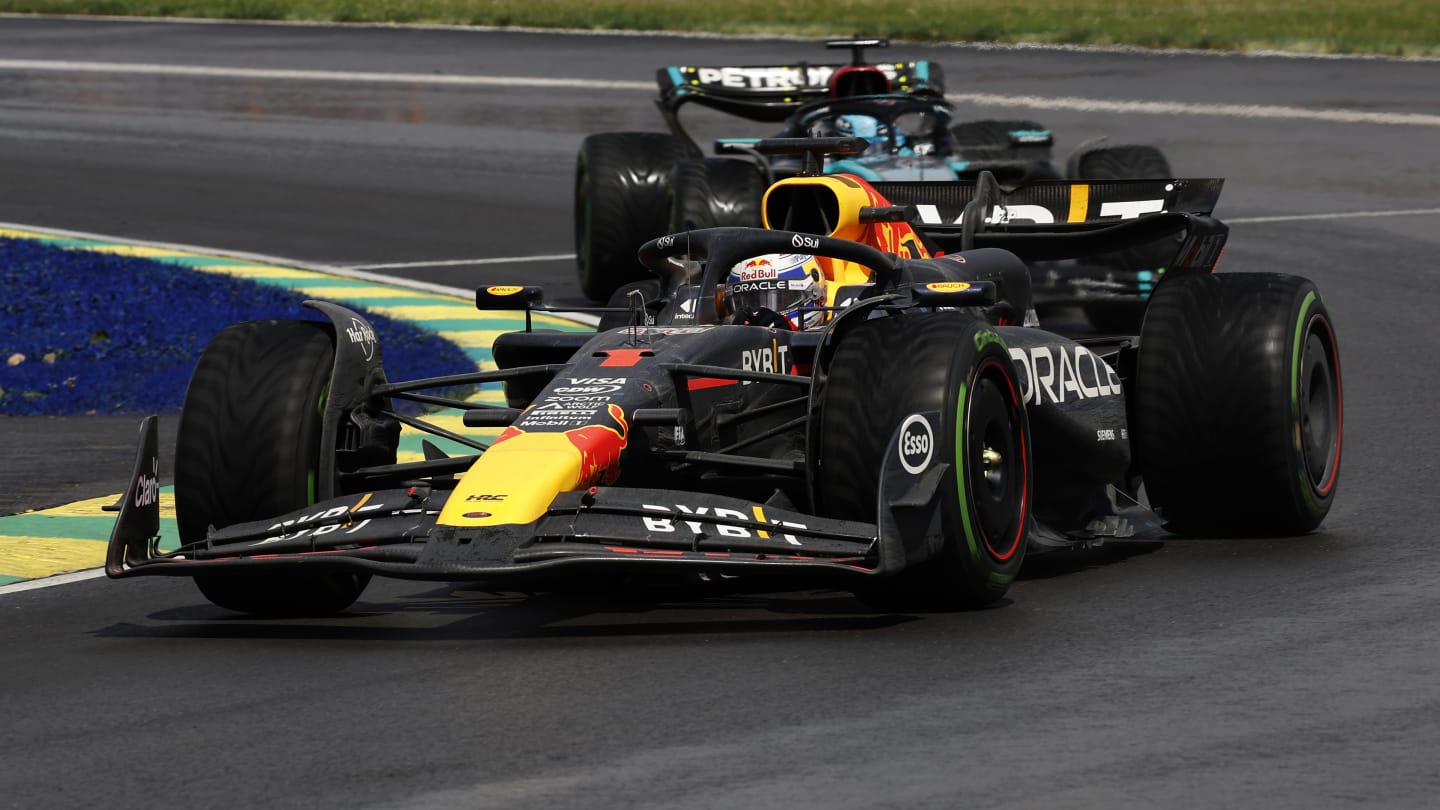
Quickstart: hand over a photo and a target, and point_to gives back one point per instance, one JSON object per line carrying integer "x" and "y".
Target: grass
{"x": 1385, "y": 27}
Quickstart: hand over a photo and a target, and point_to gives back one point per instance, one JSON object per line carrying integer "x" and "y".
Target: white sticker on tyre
{"x": 917, "y": 444}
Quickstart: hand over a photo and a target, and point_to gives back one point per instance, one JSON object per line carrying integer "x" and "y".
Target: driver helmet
{"x": 868, "y": 127}
{"x": 787, "y": 285}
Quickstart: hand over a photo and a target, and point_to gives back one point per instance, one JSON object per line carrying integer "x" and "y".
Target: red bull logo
{"x": 897, "y": 238}
{"x": 758, "y": 268}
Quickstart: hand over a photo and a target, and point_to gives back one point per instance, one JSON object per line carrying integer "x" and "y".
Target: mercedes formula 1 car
{"x": 634, "y": 186}
{"x": 911, "y": 438}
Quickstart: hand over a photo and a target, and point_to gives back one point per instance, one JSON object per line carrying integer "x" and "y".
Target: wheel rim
{"x": 995, "y": 463}
{"x": 1319, "y": 404}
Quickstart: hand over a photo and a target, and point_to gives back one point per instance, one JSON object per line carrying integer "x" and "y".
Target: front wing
{"x": 394, "y": 533}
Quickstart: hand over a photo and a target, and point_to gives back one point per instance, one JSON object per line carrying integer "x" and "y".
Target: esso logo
{"x": 503, "y": 290}
{"x": 804, "y": 242}
{"x": 917, "y": 444}
{"x": 948, "y": 286}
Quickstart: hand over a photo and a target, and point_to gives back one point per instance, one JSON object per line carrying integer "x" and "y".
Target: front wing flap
{"x": 394, "y": 533}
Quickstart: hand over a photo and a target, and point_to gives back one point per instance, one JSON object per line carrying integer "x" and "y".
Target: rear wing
{"x": 1054, "y": 220}
{"x": 770, "y": 93}
{"x": 1051, "y": 202}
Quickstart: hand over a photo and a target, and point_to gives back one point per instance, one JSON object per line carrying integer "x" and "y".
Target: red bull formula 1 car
{"x": 912, "y": 440}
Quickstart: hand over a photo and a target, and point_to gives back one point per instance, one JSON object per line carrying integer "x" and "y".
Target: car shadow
{"x": 1067, "y": 562}
{"x": 680, "y": 609}
{"x": 459, "y": 612}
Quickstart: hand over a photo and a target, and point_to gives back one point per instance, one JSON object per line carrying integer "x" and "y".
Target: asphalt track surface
{"x": 1204, "y": 673}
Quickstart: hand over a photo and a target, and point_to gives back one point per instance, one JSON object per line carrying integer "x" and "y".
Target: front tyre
{"x": 884, "y": 372}
{"x": 1238, "y": 404}
{"x": 248, "y": 448}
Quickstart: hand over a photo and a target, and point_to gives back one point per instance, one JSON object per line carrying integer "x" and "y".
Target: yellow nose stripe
{"x": 514, "y": 481}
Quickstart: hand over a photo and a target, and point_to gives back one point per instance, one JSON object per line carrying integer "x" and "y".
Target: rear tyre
{"x": 248, "y": 448}
{"x": 885, "y": 371}
{"x": 621, "y": 201}
{"x": 1238, "y": 404}
{"x": 1140, "y": 266}
{"x": 1001, "y": 140}
{"x": 715, "y": 193}
{"x": 1121, "y": 162}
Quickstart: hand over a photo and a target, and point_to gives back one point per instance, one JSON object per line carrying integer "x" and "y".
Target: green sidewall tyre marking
{"x": 962, "y": 472}
{"x": 1307, "y": 487}
{"x": 1296, "y": 345}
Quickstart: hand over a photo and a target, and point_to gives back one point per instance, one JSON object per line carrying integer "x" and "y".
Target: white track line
{"x": 1252, "y": 111}
{"x": 1267, "y": 111}
{"x": 1413, "y": 212}
{"x": 50, "y": 582}
{"x": 552, "y": 257}
{"x": 364, "y": 77}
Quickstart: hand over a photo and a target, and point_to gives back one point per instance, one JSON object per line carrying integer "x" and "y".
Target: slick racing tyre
{"x": 621, "y": 201}
{"x": 1002, "y": 140}
{"x": 1121, "y": 162}
{"x": 248, "y": 448}
{"x": 1238, "y": 404}
{"x": 715, "y": 193}
{"x": 885, "y": 372}
{"x": 648, "y": 288}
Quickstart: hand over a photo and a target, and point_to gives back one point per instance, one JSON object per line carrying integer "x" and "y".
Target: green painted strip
{"x": 380, "y": 304}
{"x": 9, "y": 580}
{"x": 457, "y": 325}
{"x": 205, "y": 261}
{"x": 41, "y": 525}
{"x": 449, "y": 448}
{"x": 80, "y": 243}
{"x": 321, "y": 281}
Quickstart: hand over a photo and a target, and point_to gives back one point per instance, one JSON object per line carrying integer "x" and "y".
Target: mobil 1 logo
{"x": 916, "y": 443}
